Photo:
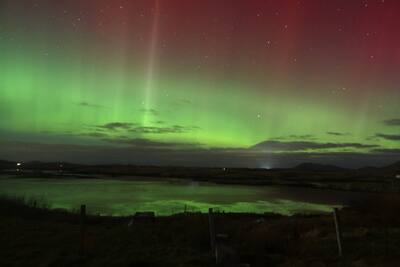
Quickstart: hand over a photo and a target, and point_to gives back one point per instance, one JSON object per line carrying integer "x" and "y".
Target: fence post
{"x": 83, "y": 229}
{"x": 212, "y": 231}
{"x": 338, "y": 231}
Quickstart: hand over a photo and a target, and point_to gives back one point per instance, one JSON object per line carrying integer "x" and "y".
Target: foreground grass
{"x": 32, "y": 235}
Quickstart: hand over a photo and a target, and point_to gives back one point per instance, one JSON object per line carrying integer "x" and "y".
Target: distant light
{"x": 266, "y": 167}
{"x": 19, "y": 164}
{"x": 398, "y": 176}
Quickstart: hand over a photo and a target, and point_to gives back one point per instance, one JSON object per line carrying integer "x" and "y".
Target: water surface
{"x": 118, "y": 197}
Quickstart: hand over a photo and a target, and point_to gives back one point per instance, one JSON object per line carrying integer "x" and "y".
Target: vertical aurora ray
{"x": 151, "y": 64}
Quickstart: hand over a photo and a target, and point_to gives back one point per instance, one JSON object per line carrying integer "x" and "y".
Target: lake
{"x": 166, "y": 197}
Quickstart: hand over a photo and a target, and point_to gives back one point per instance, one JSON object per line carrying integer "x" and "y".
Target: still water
{"x": 119, "y": 197}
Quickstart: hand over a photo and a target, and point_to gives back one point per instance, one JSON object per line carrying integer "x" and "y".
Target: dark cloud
{"x": 161, "y": 130}
{"x": 305, "y": 136}
{"x": 137, "y": 129}
{"x": 94, "y": 134}
{"x": 372, "y": 138}
{"x": 388, "y": 150}
{"x": 89, "y": 105}
{"x": 143, "y": 143}
{"x": 296, "y": 137}
{"x": 273, "y": 145}
{"x": 117, "y": 125}
{"x": 392, "y": 122}
{"x": 393, "y": 137}
{"x": 107, "y": 148}
{"x": 338, "y": 134}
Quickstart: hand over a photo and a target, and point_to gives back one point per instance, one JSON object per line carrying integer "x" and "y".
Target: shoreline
{"x": 321, "y": 184}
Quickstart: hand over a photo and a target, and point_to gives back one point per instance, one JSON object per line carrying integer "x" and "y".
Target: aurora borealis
{"x": 216, "y": 83}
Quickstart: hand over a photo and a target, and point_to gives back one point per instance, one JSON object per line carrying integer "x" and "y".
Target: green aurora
{"x": 55, "y": 95}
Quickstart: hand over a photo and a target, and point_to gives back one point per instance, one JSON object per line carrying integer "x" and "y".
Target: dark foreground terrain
{"x": 32, "y": 235}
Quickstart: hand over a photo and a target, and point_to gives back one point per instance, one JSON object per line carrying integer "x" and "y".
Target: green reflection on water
{"x": 113, "y": 197}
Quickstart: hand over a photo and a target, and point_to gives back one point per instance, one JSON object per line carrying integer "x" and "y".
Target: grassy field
{"x": 32, "y": 235}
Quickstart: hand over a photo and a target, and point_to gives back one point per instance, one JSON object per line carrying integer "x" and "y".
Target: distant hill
{"x": 6, "y": 164}
{"x": 154, "y": 170}
{"x": 318, "y": 167}
{"x": 393, "y": 167}
{"x": 368, "y": 169}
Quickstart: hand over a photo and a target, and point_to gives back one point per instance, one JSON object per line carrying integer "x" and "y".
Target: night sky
{"x": 210, "y": 83}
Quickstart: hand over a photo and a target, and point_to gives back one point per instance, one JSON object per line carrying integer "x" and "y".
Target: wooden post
{"x": 385, "y": 223}
{"x": 212, "y": 231}
{"x": 338, "y": 231}
{"x": 83, "y": 230}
